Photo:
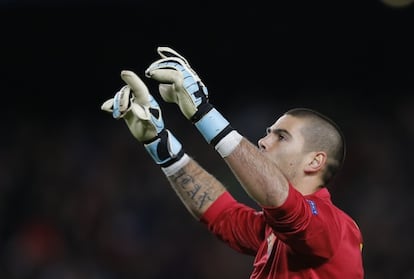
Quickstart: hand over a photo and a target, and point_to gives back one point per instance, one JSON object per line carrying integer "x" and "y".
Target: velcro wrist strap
{"x": 213, "y": 125}
{"x": 165, "y": 149}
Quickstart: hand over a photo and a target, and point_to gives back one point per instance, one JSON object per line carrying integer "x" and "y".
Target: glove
{"x": 143, "y": 116}
{"x": 180, "y": 84}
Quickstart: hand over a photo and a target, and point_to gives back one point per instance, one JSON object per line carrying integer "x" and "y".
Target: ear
{"x": 316, "y": 162}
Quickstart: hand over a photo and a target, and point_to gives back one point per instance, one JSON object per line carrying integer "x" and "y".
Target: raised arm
{"x": 180, "y": 84}
{"x": 196, "y": 188}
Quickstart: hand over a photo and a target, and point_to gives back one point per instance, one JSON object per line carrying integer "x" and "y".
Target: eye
{"x": 268, "y": 131}
{"x": 281, "y": 137}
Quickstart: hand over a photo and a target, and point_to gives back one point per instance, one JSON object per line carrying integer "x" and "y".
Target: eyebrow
{"x": 278, "y": 131}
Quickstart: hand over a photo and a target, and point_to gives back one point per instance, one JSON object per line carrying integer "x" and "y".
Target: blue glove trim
{"x": 211, "y": 124}
{"x": 116, "y": 113}
{"x": 164, "y": 148}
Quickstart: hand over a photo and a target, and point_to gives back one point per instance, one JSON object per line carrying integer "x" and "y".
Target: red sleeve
{"x": 224, "y": 201}
{"x": 238, "y": 225}
{"x": 308, "y": 224}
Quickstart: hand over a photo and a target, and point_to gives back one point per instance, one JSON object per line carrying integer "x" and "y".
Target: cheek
{"x": 280, "y": 157}
{"x": 286, "y": 160}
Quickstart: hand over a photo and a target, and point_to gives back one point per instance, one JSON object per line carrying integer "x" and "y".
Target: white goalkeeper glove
{"x": 180, "y": 84}
{"x": 143, "y": 116}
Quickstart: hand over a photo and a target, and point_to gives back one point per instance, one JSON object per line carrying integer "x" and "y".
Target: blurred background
{"x": 80, "y": 198}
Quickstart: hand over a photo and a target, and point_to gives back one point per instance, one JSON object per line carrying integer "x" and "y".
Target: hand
{"x": 142, "y": 114}
{"x": 137, "y": 107}
{"x": 180, "y": 84}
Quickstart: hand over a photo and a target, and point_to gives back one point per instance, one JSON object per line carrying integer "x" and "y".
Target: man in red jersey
{"x": 299, "y": 232}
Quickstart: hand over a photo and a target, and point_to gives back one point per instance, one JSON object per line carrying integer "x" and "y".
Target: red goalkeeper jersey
{"x": 307, "y": 237}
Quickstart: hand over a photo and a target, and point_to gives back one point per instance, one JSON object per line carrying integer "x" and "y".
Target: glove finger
{"x": 139, "y": 89}
{"x": 121, "y": 102}
{"x": 167, "y": 76}
{"x": 167, "y": 93}
{"x": 166, "y": 52}
{"x": 172, "y": 63}
{"x": 107, "y": 105}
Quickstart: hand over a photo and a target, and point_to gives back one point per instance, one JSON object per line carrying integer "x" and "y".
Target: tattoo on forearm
{"x": 197, "y": 193}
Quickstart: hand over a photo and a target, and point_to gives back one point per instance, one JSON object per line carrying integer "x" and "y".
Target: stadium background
{"x": 79, "y": 198}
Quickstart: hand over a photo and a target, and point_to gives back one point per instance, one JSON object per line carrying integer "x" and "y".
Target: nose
{"x": 261, "y": 144}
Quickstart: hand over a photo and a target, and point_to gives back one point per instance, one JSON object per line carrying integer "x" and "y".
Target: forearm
{"x": 258, "y": 175}
{"x": 196, "y": 188}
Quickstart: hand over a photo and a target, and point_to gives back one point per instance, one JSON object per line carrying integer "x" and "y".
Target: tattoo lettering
{"x": 204, "y": 198}
{"x": 198, "y": 194}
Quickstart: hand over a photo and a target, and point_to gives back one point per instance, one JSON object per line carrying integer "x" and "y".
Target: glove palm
{"x": 137, "y": 107}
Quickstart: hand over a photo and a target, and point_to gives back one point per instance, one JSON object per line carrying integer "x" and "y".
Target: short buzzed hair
{"x": 322, "y": 134}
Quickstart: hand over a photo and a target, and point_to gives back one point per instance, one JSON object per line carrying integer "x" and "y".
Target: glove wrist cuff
{"x": 213, "y": 126}
{"x": 165, "y": 149}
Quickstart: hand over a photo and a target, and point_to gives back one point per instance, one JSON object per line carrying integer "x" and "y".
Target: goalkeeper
{"x": 299, "y": 232}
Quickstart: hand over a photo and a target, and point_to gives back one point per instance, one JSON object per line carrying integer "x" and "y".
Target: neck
{"x": 307, "y": 186}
